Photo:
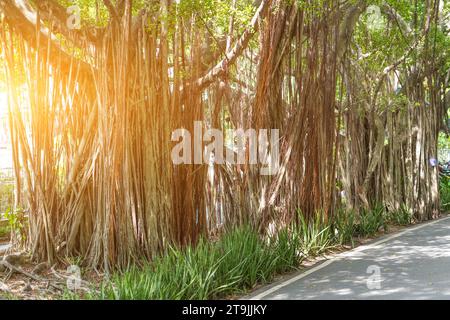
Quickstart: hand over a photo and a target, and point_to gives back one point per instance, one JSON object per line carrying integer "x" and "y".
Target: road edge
{"x": 259, "y": 294}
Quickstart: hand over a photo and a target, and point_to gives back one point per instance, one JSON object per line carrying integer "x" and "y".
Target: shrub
{"x": 402, "y": 216}
{"x": 5, "y": 232}
{"x": 235, "y": 263}
{"x": 16, "y": 223}
{"x": 444, "y": 190}
{"x": 6, "y": 194}
{"x": 286, "y": 250}
{"x": 344, "y": 226}
{"x": 239, "y": 260}
{"x": 315, "y": 236}
{"x": 371, "y": 221}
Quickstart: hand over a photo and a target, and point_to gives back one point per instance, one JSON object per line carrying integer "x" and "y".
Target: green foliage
{"x": 344, "y": 226}
{"x": 211, "y": 13}
{"x": 241, "y": 259}
{"x": 17, "y": 222}
{"x": 371, "y": 221}
{"x": 286, "y": 250}
{"x": 9, "y": 296}
{"x": 444, "y": 189}
{"x": 402, "y": 216}
{"x": 6, "y": 200}
{"x": 5, "y": 231}
{"x": 93, "y": 14}
{"x": 247, "y": 259}
{"x": 213, "y": 17}
{"x": 237, "y": 262}
{"x": 6, "y": 194}
{"x": 387, "y": 42}
{"x": 315, "y": 236}
{"x": 443, "y": 143}
{"x": 347, "y": 224}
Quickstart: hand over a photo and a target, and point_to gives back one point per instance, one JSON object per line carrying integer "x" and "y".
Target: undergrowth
{"x": 242, "y": 258}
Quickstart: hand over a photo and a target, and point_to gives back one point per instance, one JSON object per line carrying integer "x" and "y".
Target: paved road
{"x": 414, "y": 264}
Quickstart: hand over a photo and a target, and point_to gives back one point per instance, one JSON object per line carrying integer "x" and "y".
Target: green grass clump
{"x": 6, "y": 194}
{"x": 5, "y": 232}
{"x": 371, "y": 221}
{"x": 345, "y": 226}
{"x": 444, "y": 190}
{"x": 401, "y": 217}
{"x": 316, "y": 236}
{"x": 236, "y": 263}
{"x": 240, "y": 259}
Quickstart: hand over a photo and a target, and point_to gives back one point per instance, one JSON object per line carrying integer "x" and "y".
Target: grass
{"x": 241, "y": 258}
{"x": 401, "y": 217}
{"x": 6, "y": 198}
{"x": 237, "y": 262}
{"x": 347, "y": 224}
{"x": 444, "y": 190}
{"x": 6, "y": 194}
{"x": 315, "y": 236}
{"x": 371, "y": 221}
{"x": 5, "y": 232}
{"x": 344, "y": 226}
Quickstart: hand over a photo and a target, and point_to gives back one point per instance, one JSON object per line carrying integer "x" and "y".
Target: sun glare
{"x": 5, "y": 148}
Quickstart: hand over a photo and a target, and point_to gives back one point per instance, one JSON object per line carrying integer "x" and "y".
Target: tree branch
{"x": 51, "y": 10}
{"x": 23, "y": 19}
{"x": 112, "y": 10}
{"x": 231, "y": 56}
{"x": 392, "y": 14}
{"x": 351, "y": 17}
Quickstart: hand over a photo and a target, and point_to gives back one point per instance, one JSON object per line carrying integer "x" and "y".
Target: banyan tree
{"x": 94, "y": 103}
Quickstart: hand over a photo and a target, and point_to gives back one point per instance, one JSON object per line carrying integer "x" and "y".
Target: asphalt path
{"x": 412, "y": 264}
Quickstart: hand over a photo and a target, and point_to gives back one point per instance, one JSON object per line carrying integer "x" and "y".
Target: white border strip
{"x": 342, "y": 256}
